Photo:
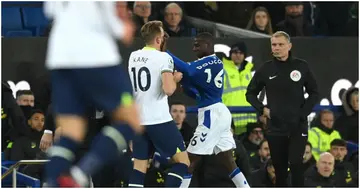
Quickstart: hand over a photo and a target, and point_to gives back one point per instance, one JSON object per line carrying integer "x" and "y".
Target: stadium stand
{"x": 34, "y": 19}
{"x": 23, "y": 19}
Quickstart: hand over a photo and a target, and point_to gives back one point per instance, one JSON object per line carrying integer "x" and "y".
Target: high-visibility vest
{"x": 235, "y": 85}
{"x": 320, "y": 141}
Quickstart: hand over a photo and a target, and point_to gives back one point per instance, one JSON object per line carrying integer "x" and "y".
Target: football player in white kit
{"x": 85, "y": 68}
{"x": 153, "y": 80}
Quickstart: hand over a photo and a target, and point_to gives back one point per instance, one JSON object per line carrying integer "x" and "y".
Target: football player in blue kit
{"x": 203, "y": 80}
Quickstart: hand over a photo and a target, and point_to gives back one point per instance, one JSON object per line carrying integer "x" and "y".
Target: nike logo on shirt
{"x": 272, "y": 77}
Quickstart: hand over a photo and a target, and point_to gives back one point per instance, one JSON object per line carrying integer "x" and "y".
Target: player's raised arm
{"x": 180, "y": 65}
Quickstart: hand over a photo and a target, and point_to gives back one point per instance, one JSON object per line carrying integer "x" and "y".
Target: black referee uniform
{"x": 287, "y": 126}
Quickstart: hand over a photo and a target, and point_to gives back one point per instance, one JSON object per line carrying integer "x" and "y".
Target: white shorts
{"x": 213, "y": 134}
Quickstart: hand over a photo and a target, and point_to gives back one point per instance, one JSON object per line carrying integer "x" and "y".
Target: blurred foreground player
{"x": 85, "y": 70}
{"x": 203, "y": 80}
{"x": 153, "y": 80}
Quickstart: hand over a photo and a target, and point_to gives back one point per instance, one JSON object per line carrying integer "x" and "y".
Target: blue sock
{"x": 136, "y": 179}
{"x": 175, "y": 175}
{"x": 106, "y": 149}
{"x": 62, "y": 154}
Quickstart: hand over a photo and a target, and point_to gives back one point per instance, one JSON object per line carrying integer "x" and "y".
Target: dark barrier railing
{"x": 238, "y": 109}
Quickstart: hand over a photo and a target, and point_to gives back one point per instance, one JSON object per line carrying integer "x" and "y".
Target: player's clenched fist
{"x": 178, "y": 76}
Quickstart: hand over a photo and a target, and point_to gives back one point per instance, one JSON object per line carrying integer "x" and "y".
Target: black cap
{"x": 238, "y": 47}
{"x": 251, "y": 126}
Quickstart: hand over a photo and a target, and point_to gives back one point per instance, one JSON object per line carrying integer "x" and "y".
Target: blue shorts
{"x": 164, "y": 138}
{"x": 75, "y": 90}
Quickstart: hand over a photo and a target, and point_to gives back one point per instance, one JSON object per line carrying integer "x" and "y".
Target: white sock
{"x": 239, "y": 179}
{"x": 79, "y": 176}
{"x": 186, "y": 181}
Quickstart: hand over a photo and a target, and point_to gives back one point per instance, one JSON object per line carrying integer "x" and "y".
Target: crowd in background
{"x": 295, "y": 18}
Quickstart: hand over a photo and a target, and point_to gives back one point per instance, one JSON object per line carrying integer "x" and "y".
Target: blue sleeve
{"x": 188, "y": 88}
{"x": 180, "y": 65}
{"x": 191, "y": 92}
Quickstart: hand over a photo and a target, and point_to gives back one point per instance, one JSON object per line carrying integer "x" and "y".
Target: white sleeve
{"x": 167, "y": 63}
{"x": 113, "y": 22}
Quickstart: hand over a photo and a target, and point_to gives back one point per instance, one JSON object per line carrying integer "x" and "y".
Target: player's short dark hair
{"x": 177, "y": 103}
{"x": 150, "y": 30}
{"x": 262, "y": 142}
{"x": 23, "y": 92}
{"x": 338, "y": 142}
{"x": 309, "y": 144}
{"x": 206, "y": 36}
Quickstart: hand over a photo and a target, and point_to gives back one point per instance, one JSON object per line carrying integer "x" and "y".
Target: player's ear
{"x": 164, "y": 42}
{"x": 158, "y": 39}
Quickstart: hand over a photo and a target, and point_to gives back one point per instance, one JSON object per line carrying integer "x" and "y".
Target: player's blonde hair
{"x": 150, "y": 30}
{"x": 282, "y": 34}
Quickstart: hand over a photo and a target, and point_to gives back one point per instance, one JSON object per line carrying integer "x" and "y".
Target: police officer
{"x": 284, "y": 78}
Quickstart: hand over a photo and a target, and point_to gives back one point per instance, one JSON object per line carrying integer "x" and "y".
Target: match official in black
{"x": 284, "y": 78}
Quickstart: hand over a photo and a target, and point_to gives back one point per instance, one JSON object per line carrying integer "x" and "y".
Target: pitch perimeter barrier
{"x": 249, "y": 112}
{"x": 239, "y": 109}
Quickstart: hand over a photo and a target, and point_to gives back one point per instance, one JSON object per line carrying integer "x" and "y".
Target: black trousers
{"x": 285, "y": 150}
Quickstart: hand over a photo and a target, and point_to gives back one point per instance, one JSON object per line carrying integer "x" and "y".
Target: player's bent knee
{"x": 181, "y": 157}
{"x": 141, "y": 165}
{"x": 72, "y": 126}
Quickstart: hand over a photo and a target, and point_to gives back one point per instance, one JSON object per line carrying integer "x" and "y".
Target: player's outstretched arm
{"x": 179, "y": 64}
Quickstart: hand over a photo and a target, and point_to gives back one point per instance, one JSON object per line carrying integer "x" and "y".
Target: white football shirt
{"x": 145, "y": 69}
{"x": 83, "y": 34}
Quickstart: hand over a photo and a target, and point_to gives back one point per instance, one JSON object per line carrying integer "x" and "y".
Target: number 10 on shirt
{"x": 137, "y": 79}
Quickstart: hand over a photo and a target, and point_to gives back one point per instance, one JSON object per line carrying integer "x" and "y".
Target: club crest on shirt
{"x": 295, "y": 75}
{"x": 171, "y": 63}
